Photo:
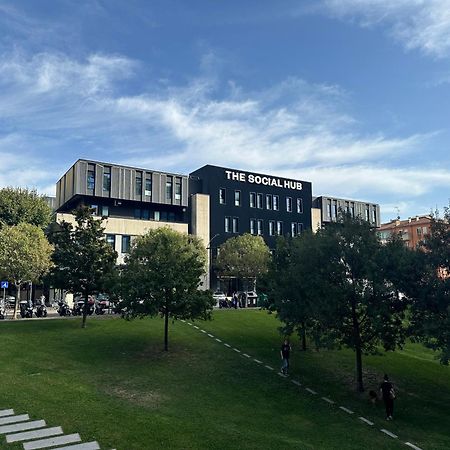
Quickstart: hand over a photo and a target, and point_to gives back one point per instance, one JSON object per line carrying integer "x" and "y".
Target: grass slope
{"x": 111, "y": 382}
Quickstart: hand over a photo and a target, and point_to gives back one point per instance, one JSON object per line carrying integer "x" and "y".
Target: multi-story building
{"x": 330, "y": 208}
{"x": 132, "y": 200}
{"x": 412, "y": 230}
{"x": 214, "y": 203}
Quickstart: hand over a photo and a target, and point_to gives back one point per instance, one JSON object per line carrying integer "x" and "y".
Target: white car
{"x": 219, "y": 297}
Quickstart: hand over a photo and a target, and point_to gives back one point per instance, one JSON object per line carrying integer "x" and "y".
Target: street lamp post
{"x": 209, "y": 248}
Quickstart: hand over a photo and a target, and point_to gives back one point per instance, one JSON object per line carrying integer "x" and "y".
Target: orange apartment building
{"x": 412, "y": 230}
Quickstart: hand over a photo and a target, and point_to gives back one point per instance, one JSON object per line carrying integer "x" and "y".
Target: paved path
{"x": 34, "y": 434}
{"x": 331, "y": 402}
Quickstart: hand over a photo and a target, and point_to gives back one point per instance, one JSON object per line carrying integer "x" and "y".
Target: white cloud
{"x": 417, "y": 24}
{"x": 54, "y": 109}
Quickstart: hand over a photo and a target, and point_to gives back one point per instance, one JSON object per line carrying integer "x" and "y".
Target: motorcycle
{"x": 2, "y": 311}
{"x": 78, "y": 307}
{"x": 26, "y": 310}
{"x": 41, "y": 311}
{"x": 101, "y": 306}
{"x": 63, "y": 309}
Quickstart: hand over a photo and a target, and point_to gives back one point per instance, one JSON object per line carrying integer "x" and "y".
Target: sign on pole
{"x": 3, "y": 285}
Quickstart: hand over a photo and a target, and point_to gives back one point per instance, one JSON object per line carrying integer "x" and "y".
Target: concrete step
{"x": 6, "y": 412}
{"x": 35, "y": 434}
{"x": 5, "y": 429}
{"x": 85, "y": 446}
{"x": 52, "y": 442}
{"x": 14, "y": 419}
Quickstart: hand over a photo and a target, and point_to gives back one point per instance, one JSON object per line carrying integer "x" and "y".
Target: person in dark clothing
{"x": 388, "y": 394}
{"x": 285, "y": 354}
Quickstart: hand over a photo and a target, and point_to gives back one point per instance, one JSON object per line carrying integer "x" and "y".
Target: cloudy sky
{"x": 353, "y": 95}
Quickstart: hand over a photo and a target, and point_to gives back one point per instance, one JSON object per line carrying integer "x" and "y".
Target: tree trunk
{"x": 16, "y": 303}
{"x": 359, "y": 374}
{"x": 303, "y": 335}
{"x": 85, "y": 310}
{"x": 166, "y": 329}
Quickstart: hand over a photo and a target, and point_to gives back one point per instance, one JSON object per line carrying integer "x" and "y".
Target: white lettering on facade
{"x": 264, "y": 180}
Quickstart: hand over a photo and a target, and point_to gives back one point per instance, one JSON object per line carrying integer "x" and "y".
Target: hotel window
{"x": 138, "y": 184}
{"x": 252, "y": 226}
{"x": 106, "y": 179}
{"x": 148, "y": 186}
{"x": 269, "y": 201}
{"x": 252, "y": 200}
{"x": 367, "y": 213}
{"x": 299, "y": 228}
{"x": 222, "y": 196}
{"x": 111, "y": 240}
{"x": 299, "y": 205}
{"x": 227, "y": 224}
{"x": 126, "y": 240}
{"x": 235, "y": 225}
{"x": 276, "y": 202}
{"x": 156, "y": 216}
{"x": 329, "y": 209}
{"x": 279, "y": 228}
{"x": 177, "y": 188}
{"x": 169, "y": 188}
{"x": 259, "y": 201}
{"x": 237, "y": 198}
{"x": 271, "y": 228}
{"x": 91, "y": 177}
{"x": 105, "y": 211}
{"x": 259, "y": 227}
{"x": 293, "y": 229}
{"x": 289, "y": 204}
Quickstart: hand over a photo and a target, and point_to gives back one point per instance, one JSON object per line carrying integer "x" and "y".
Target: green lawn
{"x": 112, "y": 383}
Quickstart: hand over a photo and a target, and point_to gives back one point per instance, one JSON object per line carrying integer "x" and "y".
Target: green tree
{"x": 83, "y": 260}
{"x": 25, "y": 255}
{"x": 430, "y": 321}
{"x": 162, "y": 275}
{"x": 23, "y": 205}
{"x": 245, "y": 257}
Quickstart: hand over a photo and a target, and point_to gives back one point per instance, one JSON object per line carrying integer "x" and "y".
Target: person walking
{"x": 285, "y": 354}
{"x": 388, "y": 394}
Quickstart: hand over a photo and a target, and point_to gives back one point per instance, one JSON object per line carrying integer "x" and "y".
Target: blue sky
{"x": 353, "y": 95}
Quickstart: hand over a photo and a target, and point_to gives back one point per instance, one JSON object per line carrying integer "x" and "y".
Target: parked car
{"x": 248, "y": 298}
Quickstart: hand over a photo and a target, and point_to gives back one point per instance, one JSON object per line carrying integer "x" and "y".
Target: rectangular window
{"x": 145, "y": 214}
{"x": 137, "y": 213}
{"x": 352, "y": 209}
{"x": 148, "y": 186}
{"x": 335, "y": 209}
{"x": 419, "y": 231}
{"x": 91, "y": 177}
{"x": 276, "y": 202}
{"x": 252, "y": 226}
{"x": 299, "y": 205}
{"x": 237, "y": 198}
{"x": 111, "y": 240}
{"x": 259, "y": 225}
{"x": 235, "y": 225}
{"x": 94, "y": 209}
{"x": 227, "y": 224}
{"x": 367, "y": 213}
{"x": 280, "y": 228}
{"x": 259, "y": 201}
{"x": 374, "y": 214}
{"x": 293, "y": 229}
{"x": 269, "y": 201}
{"x": 347, "y": 208}
{"x": 138, "y": 183}
{"x": 177, "y": 188}
{"x": 126, "y": 240}
{"x": 106, "y": 179}
{"x": 222, "y": 196}
{"x": 271, "y": 228}
{"x": 330, "y": 215}
{"x": 169, "y": 188}
{"x": 299, "y": 228}
{"x": 105, "y": 211}
{"x": 252, "y": 200}
{"x": 289, "y": 204}
{"x": 157, "y": 216}
{"x": 171, "y": 216}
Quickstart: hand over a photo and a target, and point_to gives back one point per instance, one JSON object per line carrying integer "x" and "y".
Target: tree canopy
{"x": 83, "y": 261}
{"x": 245, "y": 257}
{"x": 162, "y": 276}
{"x": 19, "y": 205}
{"x": 25, "y": 255}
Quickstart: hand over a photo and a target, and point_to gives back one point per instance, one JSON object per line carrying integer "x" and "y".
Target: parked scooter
{"x": 63, "y": 309}
{"x": 26, "y": 310}
{"x": 101, "y": 306}
{"x": 77, "y": 309}
{"x": 41, "y": 310}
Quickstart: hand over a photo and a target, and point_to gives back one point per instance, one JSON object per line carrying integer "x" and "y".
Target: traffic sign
{"x": 3, "y": 285}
